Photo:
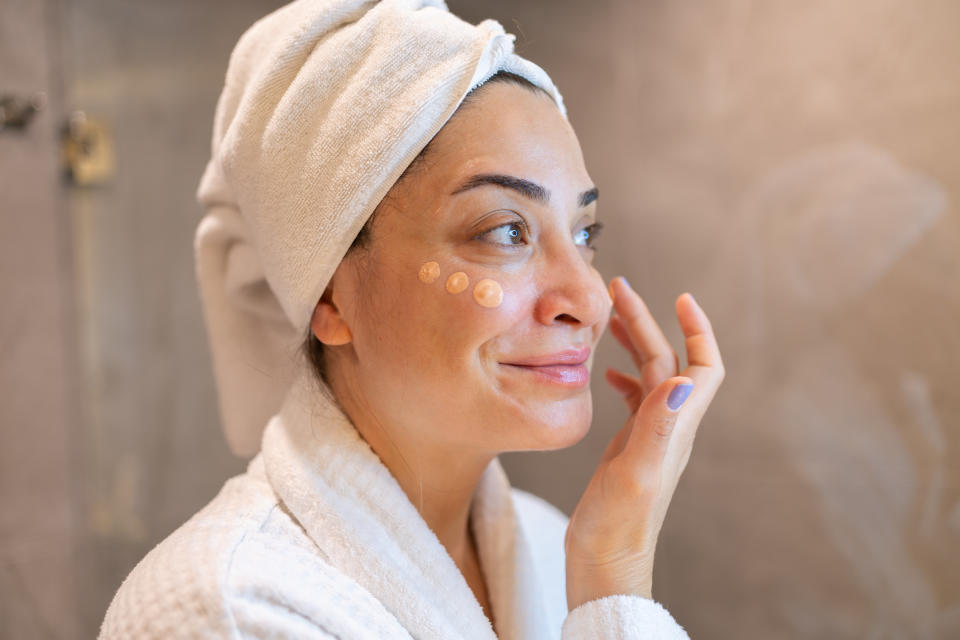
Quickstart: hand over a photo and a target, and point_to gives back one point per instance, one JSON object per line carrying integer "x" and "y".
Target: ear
{"x": 328, "y": 325}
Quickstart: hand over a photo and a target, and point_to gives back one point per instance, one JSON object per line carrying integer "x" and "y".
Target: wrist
{"x": 586, "y": 583}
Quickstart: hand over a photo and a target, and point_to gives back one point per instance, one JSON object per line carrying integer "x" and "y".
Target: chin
{"x": 559, "y": 424}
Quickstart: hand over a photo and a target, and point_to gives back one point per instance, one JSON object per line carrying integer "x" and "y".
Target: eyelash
{"x": 592, "y": 229}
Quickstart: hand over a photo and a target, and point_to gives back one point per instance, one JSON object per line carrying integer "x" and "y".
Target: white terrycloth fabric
{"x": 318, "y": 540}
{"x": 325, "y": 103}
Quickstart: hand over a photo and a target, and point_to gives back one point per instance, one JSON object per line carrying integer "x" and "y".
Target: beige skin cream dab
{"x": 457, "y": 282}
{"x": 429, "y": 272}
{"x": 488, "y": 293}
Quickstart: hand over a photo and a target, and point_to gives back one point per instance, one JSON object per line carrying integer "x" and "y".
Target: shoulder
{"x": 240, "y": 567}
{"x": 177, "y": 588}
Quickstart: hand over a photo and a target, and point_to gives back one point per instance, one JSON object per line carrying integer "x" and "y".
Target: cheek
{"x": 469, "y": 305}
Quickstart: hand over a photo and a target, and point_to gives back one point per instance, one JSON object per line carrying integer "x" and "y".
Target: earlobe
{"x": 328, "y": 325}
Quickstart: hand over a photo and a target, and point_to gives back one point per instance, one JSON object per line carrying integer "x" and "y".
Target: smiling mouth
{"x": 566, "y": 375}
{"x": 570, "y": 356}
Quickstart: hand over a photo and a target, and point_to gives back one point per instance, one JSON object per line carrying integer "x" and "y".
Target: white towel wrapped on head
{"x": 325, "y": 104}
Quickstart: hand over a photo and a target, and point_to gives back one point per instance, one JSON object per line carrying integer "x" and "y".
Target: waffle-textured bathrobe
{"x": 318, "y": 540}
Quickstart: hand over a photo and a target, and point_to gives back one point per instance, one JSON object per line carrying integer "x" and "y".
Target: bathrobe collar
{"x": 354, "y": 509}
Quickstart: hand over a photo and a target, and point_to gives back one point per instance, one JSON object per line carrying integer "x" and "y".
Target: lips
{"x": 564, "y": 368}
{"x": 568, "y": 357}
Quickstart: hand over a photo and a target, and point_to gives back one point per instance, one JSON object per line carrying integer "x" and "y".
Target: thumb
{"x": 655, "y": 422}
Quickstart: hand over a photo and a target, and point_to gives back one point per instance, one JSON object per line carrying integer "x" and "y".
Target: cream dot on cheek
{"x": 429, "y": 272}
{"x": 488, "y": 293}
{"x": 457, "y": 282}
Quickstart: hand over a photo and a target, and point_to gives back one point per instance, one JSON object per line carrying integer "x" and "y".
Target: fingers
{"x": 620, "y": 333}
{"x": 623, "y": 382}
{"x": 635, "y": 328}
{"x": 703, "y": 354}
{"x": 660, "y": 368}
{"x": 642, "y": 450}
{"x": 630, "y": 386}
{"x": 653, "y": 429}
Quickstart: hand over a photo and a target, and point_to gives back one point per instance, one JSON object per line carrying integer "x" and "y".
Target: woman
{"x": 398, "y": 197}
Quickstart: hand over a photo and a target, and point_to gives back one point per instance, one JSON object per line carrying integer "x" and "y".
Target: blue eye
{"x": 514, "y": 234}
{"x": 588, "y": 235}
{"x": 511, "y": 233}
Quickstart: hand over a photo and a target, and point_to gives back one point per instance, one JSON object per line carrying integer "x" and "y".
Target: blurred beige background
{"x": 794, "y": 165}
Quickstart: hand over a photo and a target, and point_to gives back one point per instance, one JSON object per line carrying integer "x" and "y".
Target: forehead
{"x": 511, "y": 130}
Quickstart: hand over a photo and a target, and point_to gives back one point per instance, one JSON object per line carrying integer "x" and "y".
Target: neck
{"x": 439, "y": 478}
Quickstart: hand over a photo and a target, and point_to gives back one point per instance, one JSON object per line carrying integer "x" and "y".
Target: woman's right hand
{"x": 612, "y": 534}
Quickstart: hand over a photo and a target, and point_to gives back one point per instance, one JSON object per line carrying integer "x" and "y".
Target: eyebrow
{"x": 524, "y": 187}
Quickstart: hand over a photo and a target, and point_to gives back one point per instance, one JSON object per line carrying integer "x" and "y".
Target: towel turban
{"x": 325, "y": 104}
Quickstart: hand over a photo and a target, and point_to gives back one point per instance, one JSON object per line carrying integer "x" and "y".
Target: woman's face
{"x": 433, "y": 362}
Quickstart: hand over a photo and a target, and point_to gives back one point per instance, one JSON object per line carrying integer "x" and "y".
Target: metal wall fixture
{"x": 17, "y": 112}
{"x": 87, "y": 150}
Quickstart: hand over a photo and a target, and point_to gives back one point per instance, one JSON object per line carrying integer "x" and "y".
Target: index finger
{"x": 650, "y": 348}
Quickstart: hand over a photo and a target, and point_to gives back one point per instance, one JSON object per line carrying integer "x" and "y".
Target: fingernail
{"x": 694, "y": 299}
{"x": 625, "y": 282}
{"x": 679, "y": 395}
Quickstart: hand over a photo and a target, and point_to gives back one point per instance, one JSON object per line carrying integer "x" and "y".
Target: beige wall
{"x": 793, "y": 165}
{"x": 37, "y": 390}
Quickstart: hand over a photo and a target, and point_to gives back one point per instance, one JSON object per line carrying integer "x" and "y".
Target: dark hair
{"x": 312, "y": 348}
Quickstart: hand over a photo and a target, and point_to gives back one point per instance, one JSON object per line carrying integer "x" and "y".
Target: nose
{"x": 572, "y": 291}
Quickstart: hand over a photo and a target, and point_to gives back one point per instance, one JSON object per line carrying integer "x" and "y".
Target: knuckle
{"x": 662, "y": 427}
{"x": 642, "y": 484}
{"x": 637, "y": 482}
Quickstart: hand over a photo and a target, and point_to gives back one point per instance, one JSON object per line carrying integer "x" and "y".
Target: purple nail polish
{"x": 679, "y": 395}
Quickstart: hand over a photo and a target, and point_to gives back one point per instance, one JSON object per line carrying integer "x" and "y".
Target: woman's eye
{"x": 510, "y": 233}
{"x": 588, "y": 235}
{"x": 514, "y": 233}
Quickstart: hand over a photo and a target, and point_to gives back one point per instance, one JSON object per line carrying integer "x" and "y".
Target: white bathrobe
{"x": 318, "y": 540}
